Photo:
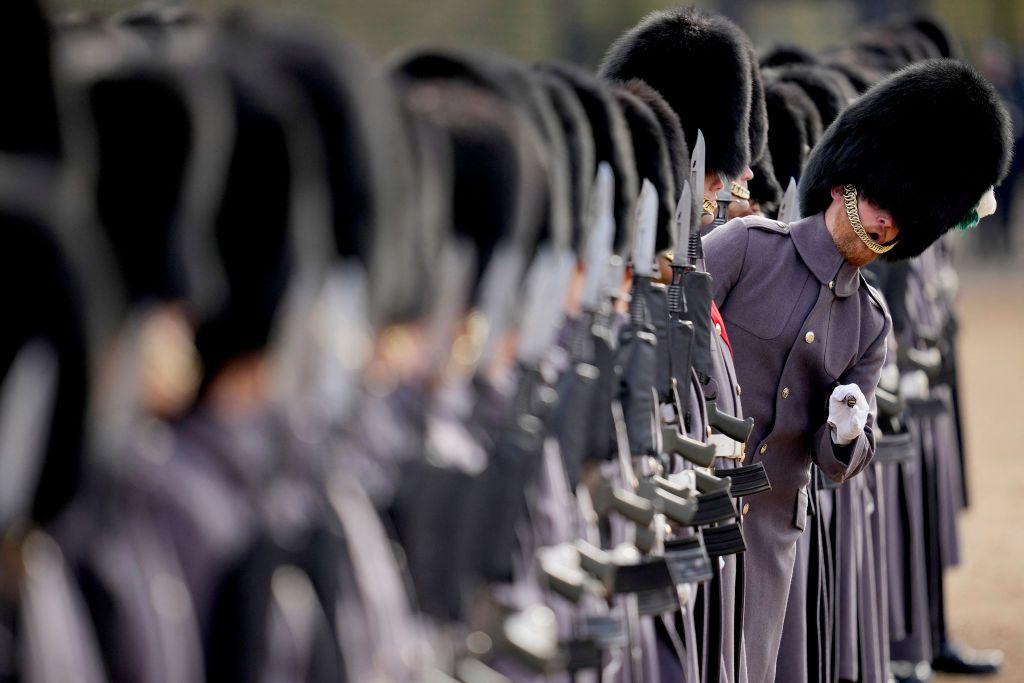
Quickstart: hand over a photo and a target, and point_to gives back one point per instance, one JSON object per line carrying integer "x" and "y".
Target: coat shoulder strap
{"x": 766, "y": 224}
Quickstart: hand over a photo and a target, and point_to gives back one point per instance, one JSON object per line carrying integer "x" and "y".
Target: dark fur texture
{"x": 894, "y": 144}
{"x": 821, "y": 86}
{"x": 495, "y": 165}
{"x": 793, "y": 128}
{"x": 652, "y": 160}
{"x": 28, "y": 118}
{"x": 764, "y": 187}
{"x": 612, "y": 143}
{"x": 780, "y": 55}
{"x": 580, "y": 144}
{"x": 860, "y": 75}
{"x": 671, "y": 129}
{"x": 700, "y": 63}
{"x": 938, "y": 34}
{"x": 516, "y": 85}
{"x": 758, "y": 113}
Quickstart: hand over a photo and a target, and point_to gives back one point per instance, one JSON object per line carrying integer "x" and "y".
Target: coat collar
{"x": 818, "y": 251}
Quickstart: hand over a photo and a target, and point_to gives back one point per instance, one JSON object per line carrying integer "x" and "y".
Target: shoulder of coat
{"x": 766, "y": 224}
{"x": 874, "y": 296}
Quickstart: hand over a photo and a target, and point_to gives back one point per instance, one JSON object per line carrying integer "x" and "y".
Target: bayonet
{"x": 789, "y": 209}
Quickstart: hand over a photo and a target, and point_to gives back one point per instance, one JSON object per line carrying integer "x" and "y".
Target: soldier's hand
{"x": 847, "y": 413}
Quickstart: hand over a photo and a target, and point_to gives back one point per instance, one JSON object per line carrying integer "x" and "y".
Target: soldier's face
{"x": 878, "y": 224}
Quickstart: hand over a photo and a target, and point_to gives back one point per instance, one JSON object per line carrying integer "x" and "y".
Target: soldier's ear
{"x": 837, "y": 192}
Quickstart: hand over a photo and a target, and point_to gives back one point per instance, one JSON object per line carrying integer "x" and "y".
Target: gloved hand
{"x": 914, "y": 384}
{"x": 847, "y": 422}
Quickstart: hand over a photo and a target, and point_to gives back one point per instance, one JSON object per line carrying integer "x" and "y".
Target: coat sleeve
{"x": 725, "y": 249}
{"x": 842, "y": 462}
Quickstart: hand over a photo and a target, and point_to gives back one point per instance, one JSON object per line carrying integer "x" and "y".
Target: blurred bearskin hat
{"x": 700, "y": 63}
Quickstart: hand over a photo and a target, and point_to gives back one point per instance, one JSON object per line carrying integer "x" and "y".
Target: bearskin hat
{"x": 671, "y": 129}
{"x": 780, "y": 55}
{"x": 28, "y": 119}
{"x": 859, "y": 74}
{"x": 700, "y": 63}
{"x": 937, "y": 33}
{"x": 822, "y": 85}
{"x": 652, "y": 159}
{"x": 765, "y": 190}
{"x": 520, "y": 88}
{"x": 612, "y": 144}
{"x": 888, "y": 144}
{"x": 758, "y": 112}
{"x": 140, "y": 177}
{"x": 794, "y": 126}
{"x": 579, "y": 140}
{"x": 496, "y": 165}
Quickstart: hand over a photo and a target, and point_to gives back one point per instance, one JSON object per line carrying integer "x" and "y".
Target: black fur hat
{"x": 783, "y": 54}
{"x": 794, "y": 126}
{"x": 860, "y": 75}
{"x": 579, "y": 139}
{"x": 612, "y": 144}
{"x": 140, "y": 177}
{"x": 822, "y": 85}
{"x": 938, "y": 34}
{"x": 652, "y": 161}
{"x": 28, "y": 118}
{"x": 889, "y": 144}
{"x": 671, "y": 129}
{"x": 700, "y": 63}
{"x": 758, "y": 112}
{"x": 764, "y": 187}
{"x": 520, "y": 87}
{"x": 496, "y": 166}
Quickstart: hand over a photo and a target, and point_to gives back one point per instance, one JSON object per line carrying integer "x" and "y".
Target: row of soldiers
{"x": 452, "y": 367}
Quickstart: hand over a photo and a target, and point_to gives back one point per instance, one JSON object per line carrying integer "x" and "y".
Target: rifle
{"x": 697, "y": 286}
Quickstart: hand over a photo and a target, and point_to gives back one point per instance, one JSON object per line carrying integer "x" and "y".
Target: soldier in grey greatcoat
{"x": 808, "y": 335}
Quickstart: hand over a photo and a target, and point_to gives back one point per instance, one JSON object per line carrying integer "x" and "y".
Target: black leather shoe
{"x": 957, "y": 659}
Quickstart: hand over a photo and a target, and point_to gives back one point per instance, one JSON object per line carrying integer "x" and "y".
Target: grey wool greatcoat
{"x": 801, "y": 320}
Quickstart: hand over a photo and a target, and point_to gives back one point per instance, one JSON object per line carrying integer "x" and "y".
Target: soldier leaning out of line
{"x": 807, "y": 332}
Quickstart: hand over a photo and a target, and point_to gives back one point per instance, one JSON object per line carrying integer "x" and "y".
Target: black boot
{"x": 958, "y": 659}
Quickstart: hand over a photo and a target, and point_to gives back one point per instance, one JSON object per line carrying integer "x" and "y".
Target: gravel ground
{"x": 986, "y": 594}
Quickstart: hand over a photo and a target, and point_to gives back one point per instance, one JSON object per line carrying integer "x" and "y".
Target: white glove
{"x": 914, "y": 384}
{"x": 847, "y": 422}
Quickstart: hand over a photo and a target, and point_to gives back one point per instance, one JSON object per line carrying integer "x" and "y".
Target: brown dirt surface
{"x": 985, "y": 595}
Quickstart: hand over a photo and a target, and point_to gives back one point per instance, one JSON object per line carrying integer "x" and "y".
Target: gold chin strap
{"x": 739, "y": 191}
{"x": 710, "y": 206}
{"x": 850, "y": 201}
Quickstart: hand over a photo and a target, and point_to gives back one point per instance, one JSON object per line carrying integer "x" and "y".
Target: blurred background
{"x": 987, "y": 593}
{"x": 580, "y": 30}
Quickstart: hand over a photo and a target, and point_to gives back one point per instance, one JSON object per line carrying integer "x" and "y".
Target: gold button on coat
{"x": 831, "y": 284}
{"x": 785, "y": 392}
{"x": 809, "y": 337}
{"x": 718, "y": 329}
{"x": 764, "y": 447}
{"x": 739, "y": 391}
{"x": 746, "y": 509}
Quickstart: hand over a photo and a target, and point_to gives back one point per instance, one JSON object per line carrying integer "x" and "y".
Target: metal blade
{"x": 542, "y": 315}
{"x": 697, "y": 172}
{"x": 646, "y": 227}
{"x": 683, "y": 216}
{"x": 599, "y": 242}
{"x": 789, "y": 209}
